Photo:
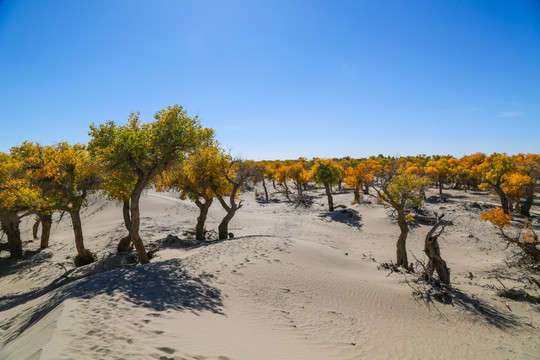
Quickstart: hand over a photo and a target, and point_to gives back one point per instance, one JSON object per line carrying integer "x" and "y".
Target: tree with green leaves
{"x": 142, "y": 151}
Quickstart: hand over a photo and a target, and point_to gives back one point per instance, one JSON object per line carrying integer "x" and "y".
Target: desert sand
{"x": 295, "y": 282}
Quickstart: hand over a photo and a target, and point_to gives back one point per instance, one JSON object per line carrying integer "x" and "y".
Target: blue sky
{"x": 279, "y": 79}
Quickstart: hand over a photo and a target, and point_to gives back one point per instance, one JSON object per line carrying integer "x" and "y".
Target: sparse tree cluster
{"x": 175, "y": 152}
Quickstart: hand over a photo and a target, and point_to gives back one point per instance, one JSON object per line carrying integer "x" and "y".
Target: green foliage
{"x": 403, "y": 189}
{"x": 326, "y": 171}
{"x": 141, "y": 151}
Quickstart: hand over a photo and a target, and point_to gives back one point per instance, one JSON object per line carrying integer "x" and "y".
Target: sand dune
{"x": 294, "y": 283}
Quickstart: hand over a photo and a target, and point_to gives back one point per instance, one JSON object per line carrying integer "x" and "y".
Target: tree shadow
{"x": 158, "y": 287}
{"x": 30, "y": 258}
{"x": 484, "y": 311}
{"x": 349, "y": 217}
{"x": 473, "y": 306}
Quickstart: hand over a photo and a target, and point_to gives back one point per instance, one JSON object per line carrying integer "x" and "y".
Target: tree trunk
{"x": 433, "y": 252}
{"x": 366, "y": 189}
{"x": 83, "y": 255}
{"x": 529, "y": 199}
{"x": 274, "y": 184}
{"x": 401, "y": 248}
{"x": 440, "y": 187}
{"x": 265, "y": 190}
{"x": 504, "y": 200}
{"x": 125, "y": 243}
{"x": 10, "y": 225}
{"x": 199, "y": 228}
{"x": 35, "y": 229}
{"x": 357, "y": 195}
{"x": 223, "y": 228}
{"x": 126, "y": 214}
{"x": 286, "y": 190}
{"x": 299, "y": 187}
{"x": 329, "y": 195}
{"x": 136, "y": 223}
{"x": 46, "y": 223}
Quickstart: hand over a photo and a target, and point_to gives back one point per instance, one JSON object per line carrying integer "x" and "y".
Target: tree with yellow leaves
{"x": 529, "y": 165}
{"x": 38, "y": 169}
{"x": 282, "y": 175}
{"x": 65, "y": 174}
{"x": 358, "y": 177}
{"x": 238, "y": 173}
{"x": 17, "y": 195}
{"x": 439, "y": 170}
{"x": 402, "y": 191}
{"x": 298, "y": 174}
{"x": 199, "y": 178}
{"x": 327, "y": 172}
{"x": 494, "y": 171}
{"x": 143, "y": 151}
{"x": 525, "y": 238}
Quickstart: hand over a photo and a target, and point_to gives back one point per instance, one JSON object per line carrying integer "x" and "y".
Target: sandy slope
{"x": 294, "y": 283}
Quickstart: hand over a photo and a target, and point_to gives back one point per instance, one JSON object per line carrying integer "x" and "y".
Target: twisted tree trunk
{"x": 134, "y": 236}
{"x": 125, "y": 242}
{"x": 433, "y": 252}
{"x": 201, "y": 219}
{"x": 10, "y": 225}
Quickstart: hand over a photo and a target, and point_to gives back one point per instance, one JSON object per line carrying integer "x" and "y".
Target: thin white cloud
{"x": 504, "y": 114}
{"x": 514, "y": 103}
{"x": 463, "y": 110}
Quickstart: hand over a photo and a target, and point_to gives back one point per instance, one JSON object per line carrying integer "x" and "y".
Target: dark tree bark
{"x": 286, "y": 190}
{"x": 10, "y": 225}
{"x": 203, "y": 207}
{"x": 35, "y": 229}
{"x": 329, "y": 195}
{"x": 46, "y": 224}
{"x": 401, "y": 247}
{"x": 265, "y": 190}
{"x": 433, "y": 252}
{"x": 299, "y": 188}
{"x": 366, "y": 189}
{"x": 357, "y": 196}
{"x": 529, "y": 199}
{"x": 83, "y": 255}
{"x": 223, "y": 228}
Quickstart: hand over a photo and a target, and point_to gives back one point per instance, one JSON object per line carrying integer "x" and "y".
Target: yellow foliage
{"x": 497, "y": 217}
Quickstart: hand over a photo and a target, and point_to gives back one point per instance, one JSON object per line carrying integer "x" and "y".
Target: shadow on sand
{"x": 157, "y": 286}
{"x": 473, "y": 307}
{"x": 349, "y": 217}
